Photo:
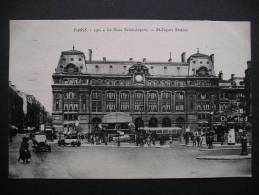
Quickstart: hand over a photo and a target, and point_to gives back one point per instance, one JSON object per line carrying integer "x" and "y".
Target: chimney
{"x": 220, "y": 75}
{"x": 212, "y": 58}
{"x": 170, "y": 58}
{"x": 144, "y": 59}
{"x": 183, "y": 57}
{"x": 104, "y": 59}
{"x": 130, "y": 59}
{"x": 90, "y": 55}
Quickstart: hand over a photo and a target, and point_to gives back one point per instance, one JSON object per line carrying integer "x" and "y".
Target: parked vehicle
{"x": 71, "y": 140}
{"x": 40, "y": 143}
{"x": 123, "y": 138}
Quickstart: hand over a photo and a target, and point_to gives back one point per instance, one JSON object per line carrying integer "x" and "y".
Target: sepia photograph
{"x": 129, "y": 99}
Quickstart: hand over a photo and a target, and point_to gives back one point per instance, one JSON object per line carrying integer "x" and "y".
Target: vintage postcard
{"x": 127, "y": 99}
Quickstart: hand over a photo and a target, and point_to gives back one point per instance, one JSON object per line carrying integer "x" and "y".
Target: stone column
{"x": 117, "y": 93}
{"x": 159, "y": 101}
{"x": 131, "y": 101}
{"x": 103, "y": 101}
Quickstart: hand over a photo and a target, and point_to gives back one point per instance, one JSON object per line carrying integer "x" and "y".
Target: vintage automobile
{"x": 40, "y": 144}
{"x": 67, "y": 140}
{"x": 123, "y": 138}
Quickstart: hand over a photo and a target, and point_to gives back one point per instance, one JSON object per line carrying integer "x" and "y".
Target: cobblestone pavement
{"x": 170, "y": 161}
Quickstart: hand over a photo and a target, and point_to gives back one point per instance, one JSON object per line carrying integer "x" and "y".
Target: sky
{"x": 36, "y": 45}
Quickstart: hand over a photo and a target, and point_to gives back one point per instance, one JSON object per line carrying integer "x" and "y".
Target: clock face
{"x": 139, "y": 78}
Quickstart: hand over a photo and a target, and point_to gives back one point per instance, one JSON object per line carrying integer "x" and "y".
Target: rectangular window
{"x": 179, "y": 96}
{"x": 139, "y": 102}
{"x": 110, "y": 102}
{"x": 166, "y": 101}
{"x": 179, "y": 107}
{"x": 96, "y": 101}
{"x": 124, "y": 102}
{"x": 152, "y": 102}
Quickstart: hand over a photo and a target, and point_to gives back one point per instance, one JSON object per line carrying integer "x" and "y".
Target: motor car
{"x": 40, "y": 143}
{"x": 123, "y": 138}
{"x": 69, "y": 140}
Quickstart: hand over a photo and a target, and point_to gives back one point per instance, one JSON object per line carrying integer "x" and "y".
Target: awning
{"x": 202, "y": 122}
{"x": 117, "y": 117}
{"x": 69, "y": 122}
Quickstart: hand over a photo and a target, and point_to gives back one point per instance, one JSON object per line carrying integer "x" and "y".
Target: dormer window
{"x": 203, "y": 71}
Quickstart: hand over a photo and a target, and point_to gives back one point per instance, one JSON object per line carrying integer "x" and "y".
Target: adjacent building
{"x": 87, "y": 92}
{"x": 24, "y": 110}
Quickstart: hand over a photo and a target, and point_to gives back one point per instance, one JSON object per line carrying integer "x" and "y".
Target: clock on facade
{"x": 139, "y": 78}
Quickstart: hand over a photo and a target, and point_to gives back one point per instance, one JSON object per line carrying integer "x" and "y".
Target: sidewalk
{"x": 225, "y": 157}
{"x": 216, "y": 146}
{"x": 125, "y": 145}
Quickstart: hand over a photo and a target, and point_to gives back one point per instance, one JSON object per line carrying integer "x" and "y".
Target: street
{"x": 176, "y": 161}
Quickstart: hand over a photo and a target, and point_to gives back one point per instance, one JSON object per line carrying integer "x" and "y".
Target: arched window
{"x": 166, "y": 122}
{"x": 153, "y": 122}
{"x": 138, "y": 123}
{"x": 71, "y": 68}
{"x": 202, "y": 71}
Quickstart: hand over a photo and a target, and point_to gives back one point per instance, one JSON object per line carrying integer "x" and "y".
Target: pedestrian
{"x": 24, "y": 153}
{"x": 186, "y": 138}
{"x": 194, "y": 139}
{"x": 92, "y": 139}
{"x": 148, "y": 140}
{"x": 198, "y": 139}
{"x": 170, "y": 139}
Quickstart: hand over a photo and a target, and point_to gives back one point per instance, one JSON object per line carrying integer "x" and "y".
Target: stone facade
{"x": 162, "y": 94}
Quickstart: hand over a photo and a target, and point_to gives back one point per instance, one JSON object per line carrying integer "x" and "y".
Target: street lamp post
{"x": 210, "y": 137}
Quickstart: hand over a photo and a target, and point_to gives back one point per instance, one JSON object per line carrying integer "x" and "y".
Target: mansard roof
{"x": 105, "y": 67}
{"x": 122, "y": 68}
